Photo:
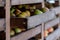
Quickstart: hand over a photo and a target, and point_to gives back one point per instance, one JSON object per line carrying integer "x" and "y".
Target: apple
{"x": 12, "y": 33}
{"x": 28, "y": 13}
{"x": 33, "y": 7}
{"x": 20, "y": 6}
{"x": 12, "y": 15}
{"x": 46, "y": 33}
{"x": 17, "y": 12}
{"x": 22, "y": 15}
{"x": 45, "y": 9}
{"x": 23, "y": 29}
{"x": 51, "y": 29}
{"x": 37, "y": 11}
{"x": 18, "y": 30}
{"x": 12, "y": 10}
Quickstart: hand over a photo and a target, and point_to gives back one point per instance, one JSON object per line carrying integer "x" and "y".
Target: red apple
{"x": 50, "y": 29}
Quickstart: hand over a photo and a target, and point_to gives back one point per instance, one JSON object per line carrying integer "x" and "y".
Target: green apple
{"x": 12, "y": 10}
{"x": 23, "y": 15}
{"x": 12, "y": 33}
{"x": 37, "y": 11}
{"x": 18, "y": 30}
{"x": 28, "y": 13}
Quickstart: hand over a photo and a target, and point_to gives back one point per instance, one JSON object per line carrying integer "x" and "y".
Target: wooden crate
{"x": 33, "y": 20}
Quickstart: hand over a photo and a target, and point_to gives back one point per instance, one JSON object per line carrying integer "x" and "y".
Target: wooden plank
{"x": 38, "y": 19}
{"x": 28, "y": 34}
{"x": 2, "y": 21}
{"x": 2, "y": 25}
{"x": 17, "y": 2}
{"x": 52, "y": 23}
{"x": 54, "y": 35}
{"x": 7, "y": 8}
{"x": 43, "y": 29}
{"x": 56, "y": 10}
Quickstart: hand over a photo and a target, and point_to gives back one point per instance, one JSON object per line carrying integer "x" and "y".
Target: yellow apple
{"x": 45, "y": 33}
{"x": 28, "y": 13}
{"x": 22, "y": 15}
{"x": 12, "y": 33}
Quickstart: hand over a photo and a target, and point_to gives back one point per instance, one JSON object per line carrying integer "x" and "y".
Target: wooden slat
{"x": 2, "y": 21}
{"x": 2, "y": 25}
{"x": 42, "y": 28}
{"x": 38, "y": 19}
{"x": 56, "y": 9}
{"x": 17, "y": 2}
{"x": 7, "y": 19}
{"x": 52, "y": 23}
{"x": 28, "y": 34}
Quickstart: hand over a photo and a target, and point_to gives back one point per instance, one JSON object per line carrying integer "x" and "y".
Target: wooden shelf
{"x": 32, "y": 21}
{"x": 17, "y": 2}
{"x": 52, "y": 23}
{"x": 54, "y": 35}
{"x": 2, "y": 21}
{"x": 28, "y": 34}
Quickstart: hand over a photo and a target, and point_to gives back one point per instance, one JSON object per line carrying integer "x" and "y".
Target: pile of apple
{"x": 23, "y": 11}
{"x": 16, "y": 31}
{"x": 48, "y": 31}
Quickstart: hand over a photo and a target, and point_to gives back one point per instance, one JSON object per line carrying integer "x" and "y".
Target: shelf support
{"x": 42, "y": 32}
{"x": 43, "y": 5}
{"x": 7, "y": 8}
